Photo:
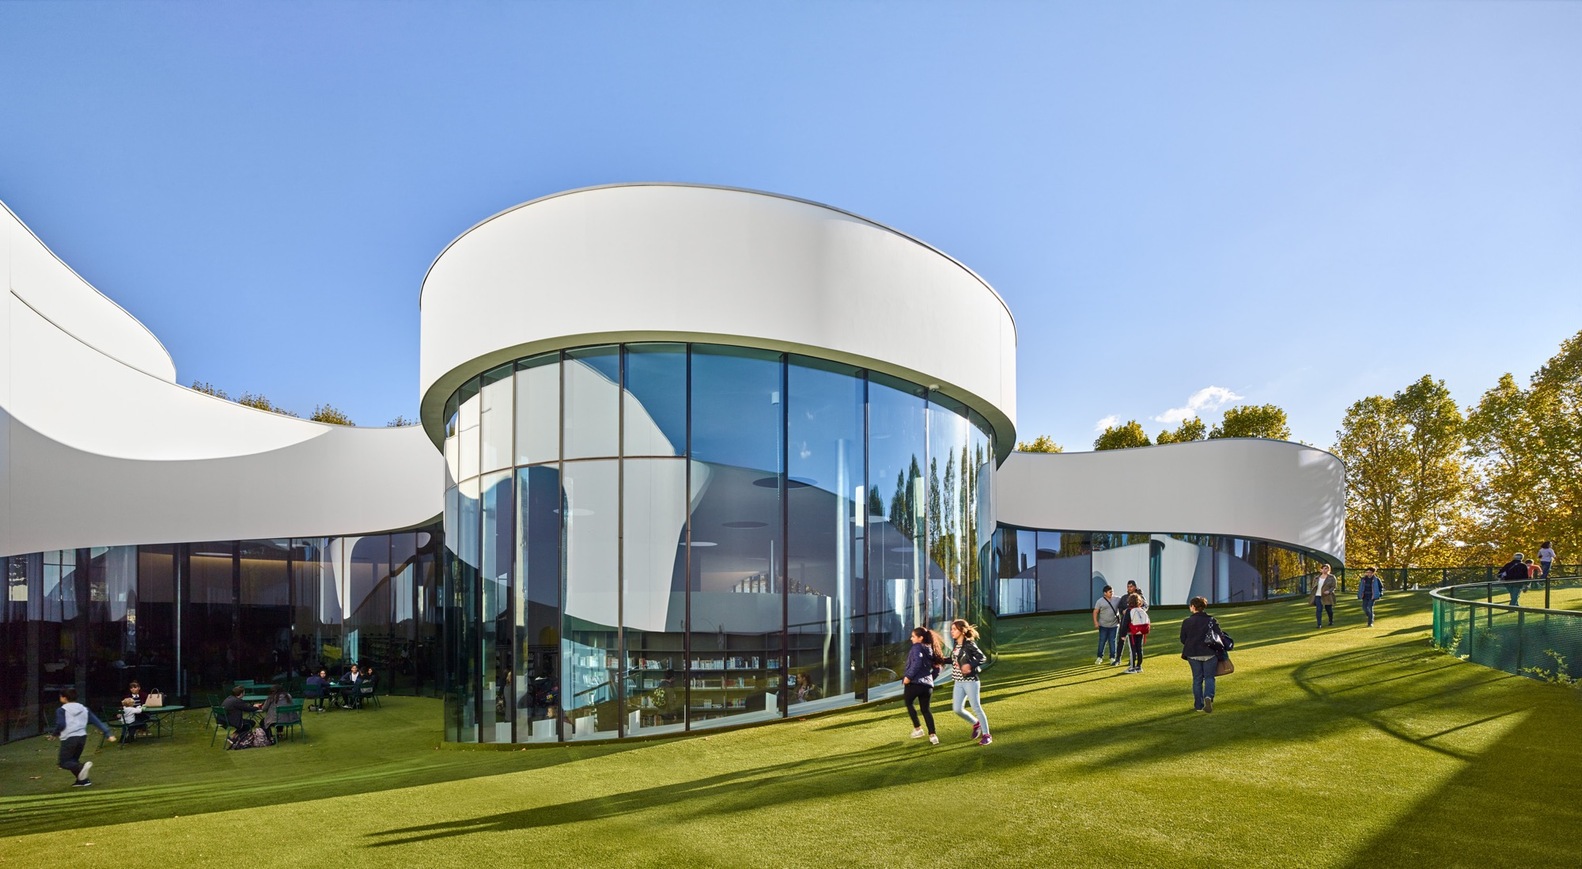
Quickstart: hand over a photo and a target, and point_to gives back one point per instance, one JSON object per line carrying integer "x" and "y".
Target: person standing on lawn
{"x": 1546, "y": 557}
{"x": 1138, "y": 625}
{"x": 1107, "y": 618}
{"x": 1203, "y": 657}
{"x": 71, "y": 728}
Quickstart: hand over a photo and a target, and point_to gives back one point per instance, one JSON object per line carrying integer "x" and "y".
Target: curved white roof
{"x": 98, "y": 447}
{"x": 1269, "y": 490}
{"x": 669, "y": 262}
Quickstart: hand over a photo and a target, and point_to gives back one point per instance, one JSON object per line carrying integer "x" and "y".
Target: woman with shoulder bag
{"x": 1196, "y": 648}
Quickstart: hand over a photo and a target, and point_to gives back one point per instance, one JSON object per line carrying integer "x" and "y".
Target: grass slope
{"x": 1345, "y": 746}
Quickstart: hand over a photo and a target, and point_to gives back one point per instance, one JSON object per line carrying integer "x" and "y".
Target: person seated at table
{"x": 238, "y": 712}
{"x": 277, "y": 697}
{"x": 349, "y": 686}
{"x": 318, "y": 685}
{"x": 136, "y": 698}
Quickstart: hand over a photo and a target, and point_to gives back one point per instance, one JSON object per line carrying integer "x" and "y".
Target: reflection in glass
{"x": 737, "y": 555}
{"x": 897, "y": 425}
{"x": 494, "y": 624}
{"x": 591, "y": 383}
{"x": 656, "y": 400}
{"x": 653, "y": 589}
{"x": 824, "y": 451}
{"x": 538, "y": 603}
{"x": 538, "y": 409}
{"x": 470, "y": 412}
{"x": 496, "y": 419}
{"x": 592, "y": 660}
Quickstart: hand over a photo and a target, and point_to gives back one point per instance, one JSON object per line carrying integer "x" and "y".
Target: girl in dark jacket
{"x": 922, "y": 668}
{"x": 1203, "y": 657}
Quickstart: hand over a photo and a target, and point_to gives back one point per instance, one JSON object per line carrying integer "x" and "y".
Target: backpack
{"x": 1216, "y": 638}
{"x": 659, "y": 698}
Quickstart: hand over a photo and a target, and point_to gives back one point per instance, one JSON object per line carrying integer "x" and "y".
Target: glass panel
{"x": 592, "y": 406}
{"x": 898, "y": 425}
{"x": 317, "y": 626}
{"x": 1018, "y": 571}
{"x": 656, "y": 400}
{"x": 494, "y": 625}
{"x": 264, "y": 618}
{"x": 467, "y": 432}
{"x": 824, "y": 413}
{"x": 495, "y": 419}
{"x": 210, "y": 628}
{"x": 737, "y": 558}
{"x": 470, "y": 669}
{"x": 653, "y": 587}
{"x": 538, "y": 603}
{"x": 394, "y": 661}
{"x": 538, "y": 410}
{"x": 452, "y": 443}
{"x": 591, "y": 659}
{"x": 1067, "y": 579}
{"x": 952, "y": 528}
{"x": 156, "y": 618}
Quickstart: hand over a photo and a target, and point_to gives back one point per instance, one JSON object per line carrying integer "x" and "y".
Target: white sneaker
{"x": 933, "y": 739}
{"x": 918, "y": 733}
{"x": 1099, "y": 660}
{"x": 82, "y": 774}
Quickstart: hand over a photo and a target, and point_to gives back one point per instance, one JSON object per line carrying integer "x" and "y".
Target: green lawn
{"x": 1345, "y": 746}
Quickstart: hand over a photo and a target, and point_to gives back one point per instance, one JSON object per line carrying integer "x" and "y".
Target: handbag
{"x": 1225, "y": 667}
{"x": 155, "y": 698}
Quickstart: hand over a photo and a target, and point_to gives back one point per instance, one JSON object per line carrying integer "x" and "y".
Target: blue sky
{"x": 1292, "y": 203}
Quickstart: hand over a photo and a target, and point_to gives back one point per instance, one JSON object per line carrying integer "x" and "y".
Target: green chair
{"x": 287, "y": 716}
{"x": 217, "y": 714}
{"x": 366, "y": 693}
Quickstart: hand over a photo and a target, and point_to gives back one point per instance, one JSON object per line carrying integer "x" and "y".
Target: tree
{"x": 1120, "y": 437}
{"x": 1041, "y": 444}
{"x": 328, "y": 413}
{"x": 208, "y": 388}
{"x": 1526, "y": 453}
{"x": 1189, "y": 430}
{"x": 1253, "y": 421}
{"x": 400, "y": 421}
{"x": 1405, "y": 477}
{"x": 254, "y": 400}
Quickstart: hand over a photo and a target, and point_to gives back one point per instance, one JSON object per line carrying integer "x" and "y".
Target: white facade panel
{"x": 669, "y": 262}
{"x": 99, "y": 448}
{"x": 1263, "y": 489}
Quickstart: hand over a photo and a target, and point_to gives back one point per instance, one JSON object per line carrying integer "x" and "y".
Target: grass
{"x": 1346, "y": 747}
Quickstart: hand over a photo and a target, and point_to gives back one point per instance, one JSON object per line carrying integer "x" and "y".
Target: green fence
{"x": 1480, "y": 622}
{"x": 1402, "y": 578}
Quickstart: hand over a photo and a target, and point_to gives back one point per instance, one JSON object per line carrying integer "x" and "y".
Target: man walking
{"x": 1324, "y": 595}
{"x": 1107, "y": 618}
{"x": 1515, "y": 576}
{"x": 71, "y": 728}
{"x": 1369, "y": 591}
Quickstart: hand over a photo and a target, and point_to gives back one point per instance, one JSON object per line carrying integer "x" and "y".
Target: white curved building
{"x": 704, "y": 456}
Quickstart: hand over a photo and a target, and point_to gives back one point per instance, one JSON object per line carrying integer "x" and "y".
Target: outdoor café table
{"x": 255, "y": 698}
{"x": 156, "y": 718}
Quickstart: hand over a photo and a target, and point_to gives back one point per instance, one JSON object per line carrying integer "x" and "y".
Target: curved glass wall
{"x": 654, "y": 538}
{"x": 192, "y": 618}
{"x": 1059, "y": 571}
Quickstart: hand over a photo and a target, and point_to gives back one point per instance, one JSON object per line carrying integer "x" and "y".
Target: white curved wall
{"x": 674, "y": 262}
{"x": 1268, "y": 490}
{"x": 98, "y": 447}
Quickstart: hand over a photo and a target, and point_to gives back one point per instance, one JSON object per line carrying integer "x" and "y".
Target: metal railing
{"x": 1483, "y": 622}
{"x": 1403, "y": 578}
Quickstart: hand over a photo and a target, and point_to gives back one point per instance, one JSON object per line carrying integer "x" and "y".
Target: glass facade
{"x": 694, "y": 535}
{"x": 191, "y": 618}
{"x": 1061, "y": 571}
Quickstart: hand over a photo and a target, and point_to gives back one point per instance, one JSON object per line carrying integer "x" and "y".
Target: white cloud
{"x": 1105, "y": 423}
{"x": 1206, "y": 399}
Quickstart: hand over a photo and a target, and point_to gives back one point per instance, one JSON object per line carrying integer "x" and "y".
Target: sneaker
{"x": 1208, "y": 704}
{"x": 82, "y": 774}
{"x": 986, "y": 739}
{"x": 85, "y": 783}
{"x": 1099, "y": 660}
{"x": 977, "y": 729}
{"x": 1115, "y": 663}
{"x": 933, "y": 739}
{"x": 918, "y": 733}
